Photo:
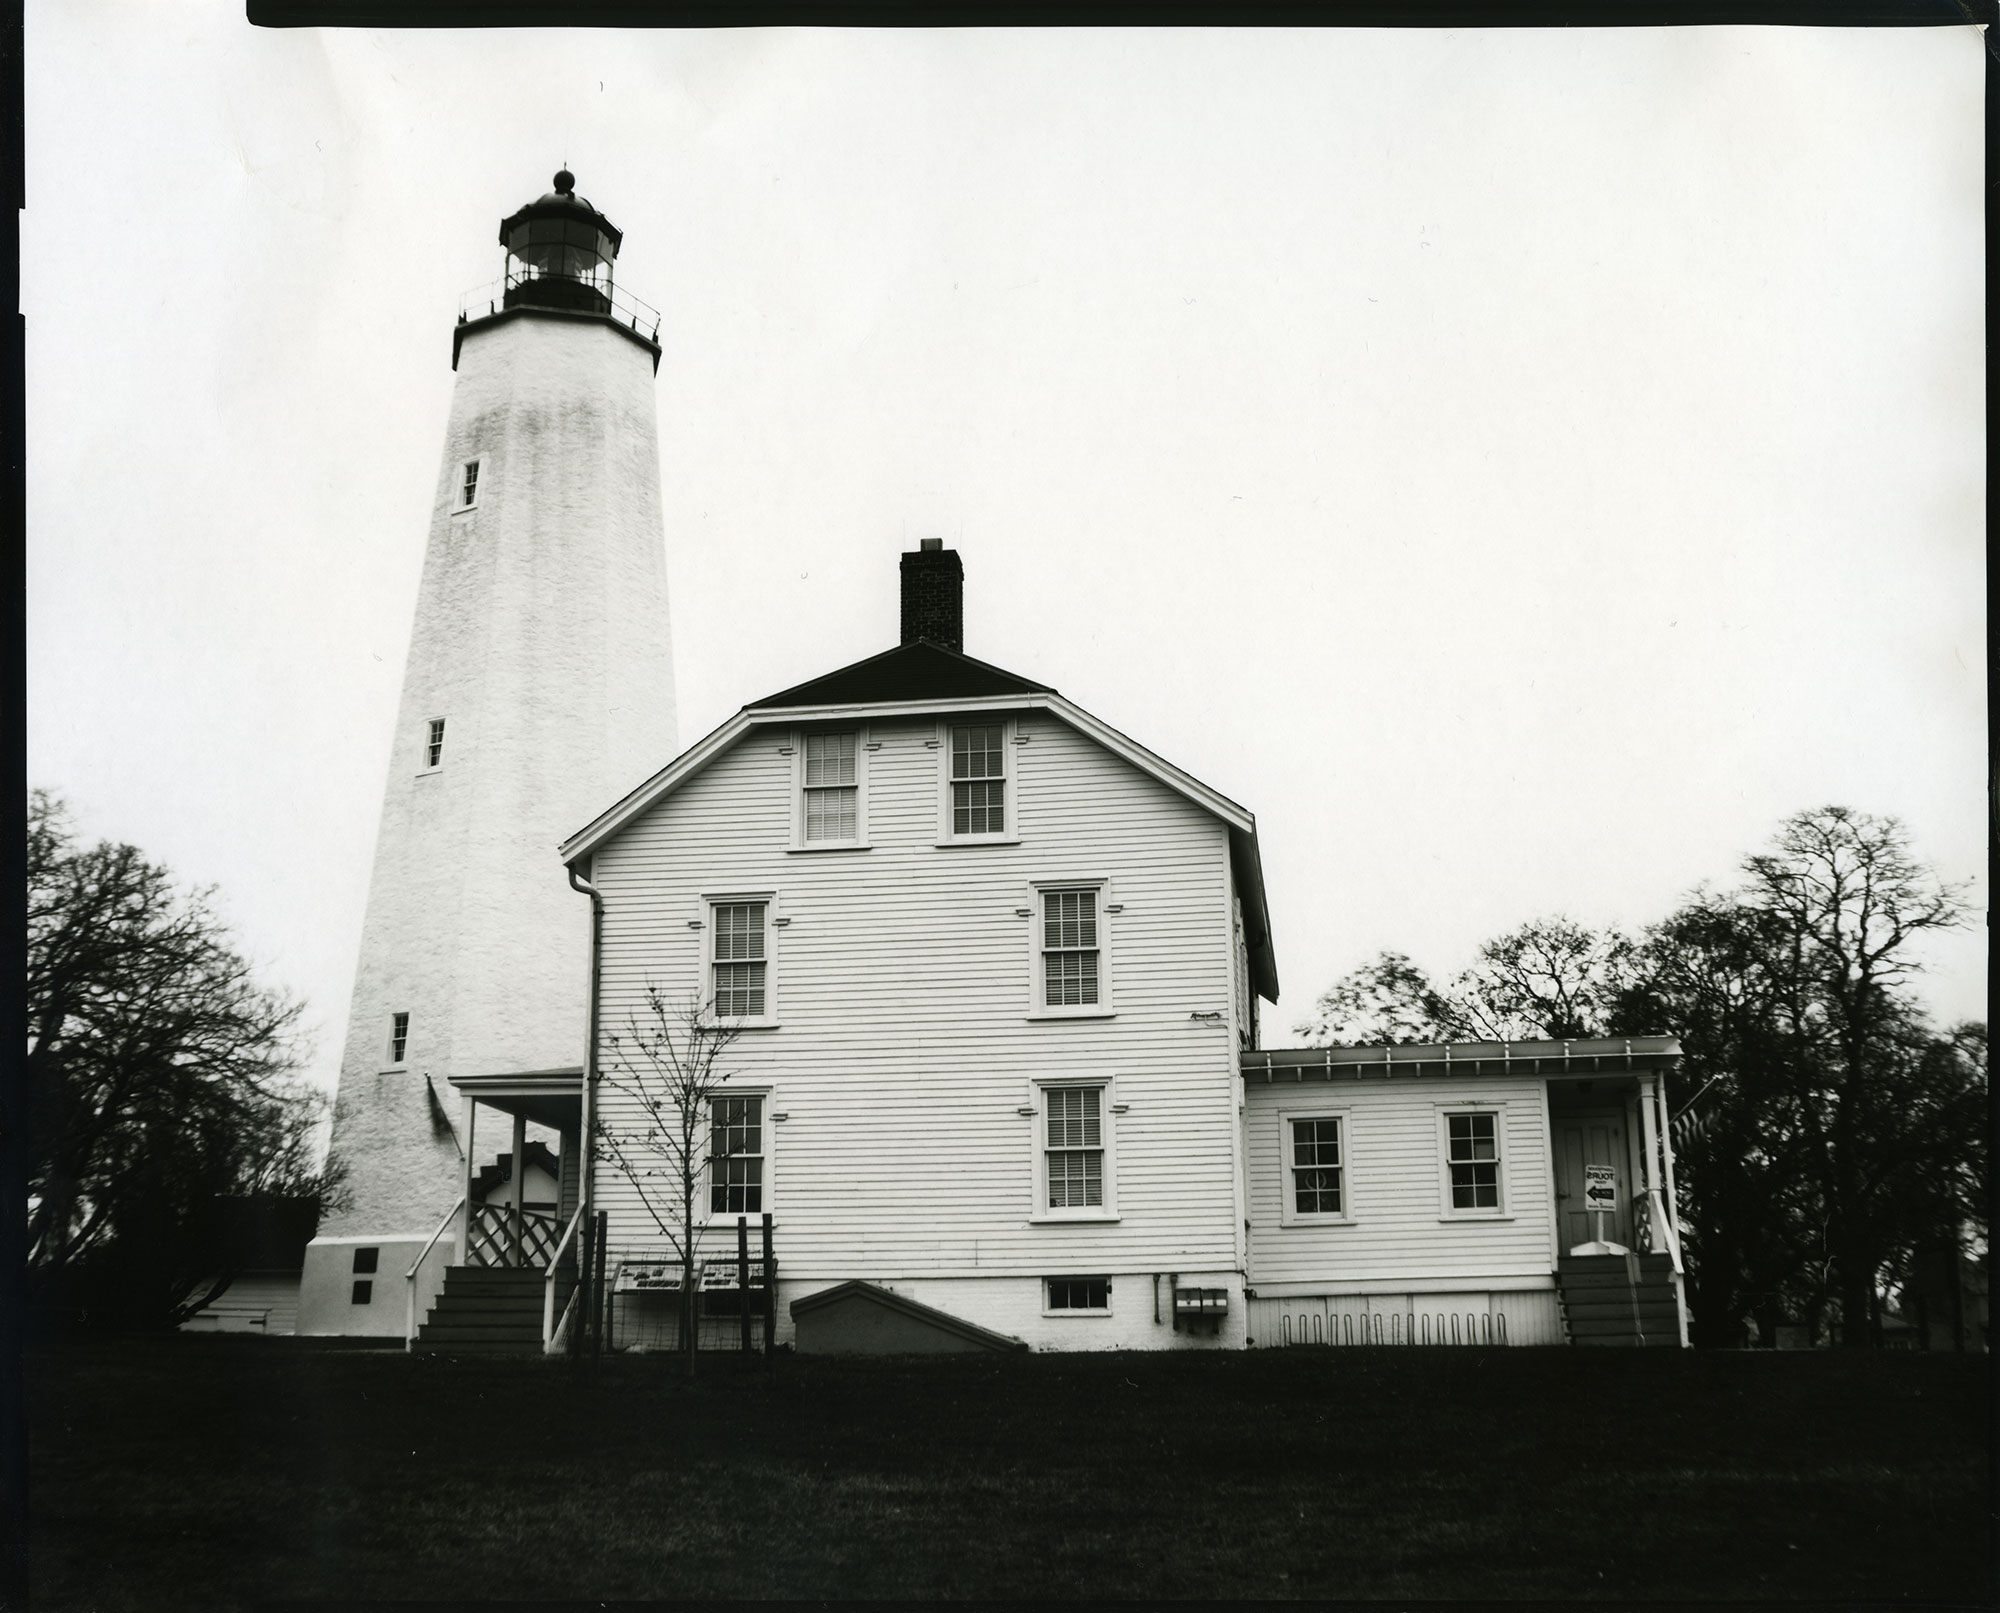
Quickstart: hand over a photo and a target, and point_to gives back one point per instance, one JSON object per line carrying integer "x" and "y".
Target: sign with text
{"x": 1600, "y": 1188}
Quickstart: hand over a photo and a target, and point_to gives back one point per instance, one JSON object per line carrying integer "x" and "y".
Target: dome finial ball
{"x": 565, "y": 181}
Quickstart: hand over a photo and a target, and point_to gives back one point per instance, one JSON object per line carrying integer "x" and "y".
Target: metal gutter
{"x": 1604, "y": 1055}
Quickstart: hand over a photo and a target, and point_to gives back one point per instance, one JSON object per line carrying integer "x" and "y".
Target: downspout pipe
{"x": 585, "y": 1197}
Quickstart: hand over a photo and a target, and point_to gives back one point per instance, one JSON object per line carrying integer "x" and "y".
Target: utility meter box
{"x": 1200, "y": 1309}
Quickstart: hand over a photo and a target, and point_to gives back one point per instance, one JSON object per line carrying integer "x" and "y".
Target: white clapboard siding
{"x": 256, "y": 1302}
{"x": 902, "y": 982}
{"x": 1400, "y": 1232}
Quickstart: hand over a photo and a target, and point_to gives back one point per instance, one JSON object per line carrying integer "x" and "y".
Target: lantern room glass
{"x": 559, "y": 263}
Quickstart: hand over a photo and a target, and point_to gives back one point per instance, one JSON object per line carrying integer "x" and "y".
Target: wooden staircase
{"x": 1619, "y": 1299}
{"x": 490, "y": 1310}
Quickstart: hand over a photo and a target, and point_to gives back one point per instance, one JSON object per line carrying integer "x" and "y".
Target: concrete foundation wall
{"x": 326, "y": 1286}
{"x": 1452, "y": 1317}
{"x": 1008, "y": 1305}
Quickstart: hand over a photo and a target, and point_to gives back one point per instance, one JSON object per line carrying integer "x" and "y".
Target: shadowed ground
{"x": 214, "y": 1472}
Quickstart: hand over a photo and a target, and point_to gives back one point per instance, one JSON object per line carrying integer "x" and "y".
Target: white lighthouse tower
{"x": 539, "y": 686}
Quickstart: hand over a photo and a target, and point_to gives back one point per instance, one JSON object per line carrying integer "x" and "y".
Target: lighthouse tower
{"x": 539, "y": 686}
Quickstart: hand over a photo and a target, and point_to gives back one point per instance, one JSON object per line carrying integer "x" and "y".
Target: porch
{"x": 514, "y": 1247}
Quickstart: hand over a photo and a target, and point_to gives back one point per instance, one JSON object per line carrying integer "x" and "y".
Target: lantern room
{"x": 560, "y": 251}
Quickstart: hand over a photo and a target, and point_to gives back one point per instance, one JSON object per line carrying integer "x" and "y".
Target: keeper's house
{"x": 997, "y": 970}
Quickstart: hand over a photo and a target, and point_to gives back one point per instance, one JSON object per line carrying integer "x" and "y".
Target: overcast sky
{"x": 1521, "y": 467}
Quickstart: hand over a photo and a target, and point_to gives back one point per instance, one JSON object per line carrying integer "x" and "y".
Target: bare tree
{"x": 161, "y": 1079}
{"x": 669, "y": 1067}
{"x": 1550, "y": 979}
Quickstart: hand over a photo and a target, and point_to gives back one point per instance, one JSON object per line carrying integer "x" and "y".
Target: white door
{"x": 1590, "y": 1139}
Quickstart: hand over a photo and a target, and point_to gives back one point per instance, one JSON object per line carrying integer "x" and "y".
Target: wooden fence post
{"x": 601, "y": 1308}
{"x": 770, "y": 1291}
{"x": 743, "y": 1281}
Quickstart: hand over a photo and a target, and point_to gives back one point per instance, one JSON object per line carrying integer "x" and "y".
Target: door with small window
{"x": 1595, "y": 1138}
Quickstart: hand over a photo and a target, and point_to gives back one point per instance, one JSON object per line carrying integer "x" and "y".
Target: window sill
{"x": 1073, "y": 1316}
{"x": 1476, "y": 1215}
{"x": 466, "y": 509}
{"x": 831, "y": 845}
{"x": 979, "y": 840}
{"x": 1071, "y": 1013}
{"x": 429, "y": 772}
{"x": 1093, "y": 1219}
{"x": 1317, "y": 1221}
{"x": 394, "y": 1069}
{"x": 741, "y": 1024}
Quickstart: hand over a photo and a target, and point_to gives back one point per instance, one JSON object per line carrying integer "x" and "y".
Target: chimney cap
{"x": 930, "y": 543}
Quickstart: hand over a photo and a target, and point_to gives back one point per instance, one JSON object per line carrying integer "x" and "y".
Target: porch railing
{"x": 410, "y": 1277}
{"x": 501, "y": 1235}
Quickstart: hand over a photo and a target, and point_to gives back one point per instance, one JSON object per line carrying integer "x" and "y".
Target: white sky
{"x": 1522, "y": 467}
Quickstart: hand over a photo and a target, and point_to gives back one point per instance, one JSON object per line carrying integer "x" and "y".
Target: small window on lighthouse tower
{"x": 399, "y": 1037}
{"x": 434, "y": 745}
{"x": 468, "y": 484}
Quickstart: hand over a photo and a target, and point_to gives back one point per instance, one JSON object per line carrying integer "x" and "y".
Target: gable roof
{"x": 920, "y": 671}
{"x": 924, "y": 679}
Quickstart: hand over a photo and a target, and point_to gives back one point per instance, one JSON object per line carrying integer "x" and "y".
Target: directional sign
{"x": 1600, "y": 1188}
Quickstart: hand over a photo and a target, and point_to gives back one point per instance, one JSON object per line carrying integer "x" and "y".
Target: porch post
{"x": 465, "y": 1183}
{"x": 520, "y": 1179}
{"x": 1649, "y": 1128}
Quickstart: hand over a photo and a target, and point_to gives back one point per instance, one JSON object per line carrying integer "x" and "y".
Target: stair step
{"x": 423, "y": 1347}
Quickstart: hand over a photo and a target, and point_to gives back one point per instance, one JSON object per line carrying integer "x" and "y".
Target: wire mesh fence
{"x": 645, "y": 1309}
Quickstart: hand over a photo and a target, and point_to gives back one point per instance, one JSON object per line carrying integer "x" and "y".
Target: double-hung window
{"x": 465, "y": 496}
{"x": 1472, "y": 1161}
{"x": 1070, "y": 974}
{"x": 979, "y": 779}
{"x": 976, "y": 782}
{"x": 399, "y": 1037}
{"x": 736, "y": 1156}
{"x": 434, "y": 743}
{"x": 832, "y": 790}
{"x": 739, "y": 959}
{"x": 1075, "y": 1154}
{"x": 1317, "y": 1187}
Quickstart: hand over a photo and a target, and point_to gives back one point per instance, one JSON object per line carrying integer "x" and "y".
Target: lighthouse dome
{"x": 560, "y": 250}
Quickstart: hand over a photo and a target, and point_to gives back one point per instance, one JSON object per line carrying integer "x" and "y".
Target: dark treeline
{"x": 1828, "y": 1137}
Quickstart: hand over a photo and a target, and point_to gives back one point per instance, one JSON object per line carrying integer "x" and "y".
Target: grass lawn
{"x": 212, "y": 1472}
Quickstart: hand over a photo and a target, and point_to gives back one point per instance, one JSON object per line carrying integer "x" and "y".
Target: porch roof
{"x": 550, "y": 1097}
{"x": 1602, "y": 1056}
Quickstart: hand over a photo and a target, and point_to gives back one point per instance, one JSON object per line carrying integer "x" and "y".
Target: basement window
{"x": 1079, "y": 1294}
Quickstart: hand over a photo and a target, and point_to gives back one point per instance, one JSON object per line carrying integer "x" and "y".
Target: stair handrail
{"x": 549, "y": 1279}
{"x": 554, "y": 1343}
{"x": 1665, "y": 1226}
{"x": 410, "y": 1276}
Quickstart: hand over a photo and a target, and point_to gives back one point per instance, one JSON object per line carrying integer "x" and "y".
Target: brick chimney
{"x": 934, "y": 596}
